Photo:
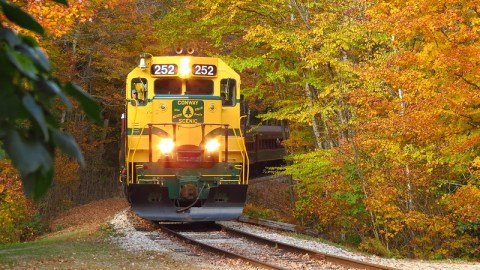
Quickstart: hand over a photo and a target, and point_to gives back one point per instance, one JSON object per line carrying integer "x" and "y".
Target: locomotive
{"x": 183, "y": 148}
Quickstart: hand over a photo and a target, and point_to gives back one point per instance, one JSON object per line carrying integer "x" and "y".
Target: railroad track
{"x": 259, "y": 251}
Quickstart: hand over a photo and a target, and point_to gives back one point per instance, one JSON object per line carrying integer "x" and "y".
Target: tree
{"x": 382, "y": 100}
{"x": 30, "y": 131}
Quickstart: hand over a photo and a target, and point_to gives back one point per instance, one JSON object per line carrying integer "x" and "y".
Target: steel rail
{"x": 314, "y": 254}
{"x": 219, "y": 251}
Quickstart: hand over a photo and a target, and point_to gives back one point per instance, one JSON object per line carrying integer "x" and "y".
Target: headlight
{"x": 166, "y": 145}
{"x": 212, "y": 146}
{"x": 184, "y": 69}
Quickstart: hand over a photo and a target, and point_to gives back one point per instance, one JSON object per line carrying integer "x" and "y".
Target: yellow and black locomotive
{"x": 183, "y": 150}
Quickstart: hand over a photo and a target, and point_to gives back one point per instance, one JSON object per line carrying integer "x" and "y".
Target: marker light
{"x": 166, "y": 146}
{"x": 212, "y": 145}
{"x": 184, "y": 69}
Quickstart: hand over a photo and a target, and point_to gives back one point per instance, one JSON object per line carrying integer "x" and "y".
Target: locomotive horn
{"x": 190, "y": 51}
{"x": 179, "y": 50}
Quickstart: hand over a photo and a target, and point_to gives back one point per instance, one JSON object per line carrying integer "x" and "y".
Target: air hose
{"x": 192, "y": 204}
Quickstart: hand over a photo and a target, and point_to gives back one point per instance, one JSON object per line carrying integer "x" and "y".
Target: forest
{"x": 382, "y": 99}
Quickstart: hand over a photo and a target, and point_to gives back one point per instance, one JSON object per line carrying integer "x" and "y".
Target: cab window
{"x": 199, "y": 87}
{"x": 139, "y": 91}
{"x": 228, "y": 92}
{"x": 168, "y": 86}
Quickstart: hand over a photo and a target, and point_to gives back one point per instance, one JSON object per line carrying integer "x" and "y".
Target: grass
{"x": 68, "y": 247}
{"x": 79, "y": 249}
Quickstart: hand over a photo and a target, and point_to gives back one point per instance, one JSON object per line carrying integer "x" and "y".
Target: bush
{"x": 17, "y": 219}
{"x": 259, "y": 212}
{"x": 374, "y": 246}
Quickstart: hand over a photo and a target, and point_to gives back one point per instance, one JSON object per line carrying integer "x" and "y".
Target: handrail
{"x": 135, "y": 149}
{"x": 244, "y": 153}
{"x": 127, "y": 150}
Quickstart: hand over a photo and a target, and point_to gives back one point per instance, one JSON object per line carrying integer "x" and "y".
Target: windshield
{"x": 168, "y": 86}
{"x": 199, "y": 87}
{"x": 173, "y": 86}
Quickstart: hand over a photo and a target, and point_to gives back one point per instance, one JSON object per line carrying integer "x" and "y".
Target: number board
{"x": 164, "y": 69}
{"x": 204, "y": 70}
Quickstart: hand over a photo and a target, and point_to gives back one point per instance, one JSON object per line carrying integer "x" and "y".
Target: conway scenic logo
{"x": 187, "y": 111}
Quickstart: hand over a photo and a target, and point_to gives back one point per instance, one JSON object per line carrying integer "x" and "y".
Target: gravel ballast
{"x": 133, "y": 240}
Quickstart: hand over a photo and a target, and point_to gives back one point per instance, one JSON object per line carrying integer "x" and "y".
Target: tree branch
{"x": 467, "y": 81}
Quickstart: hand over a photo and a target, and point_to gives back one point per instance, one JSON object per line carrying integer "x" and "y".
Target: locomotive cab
{"x": 183, "y": 150}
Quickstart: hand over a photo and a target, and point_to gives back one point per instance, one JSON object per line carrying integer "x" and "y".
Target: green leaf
{"x": 20, "y": 17}
{"x": 68, "y": 145}
{"x": 23, "y": 64}
{"x": 9, "y": 36}
{"x": 9, "y": 103}
{"x": 27, "y": 155}
{"x": 36, "y": 184}
{"x": 37, "y": 113}
{"x": 64, "y": 2}
{"x": 30, "y": 41}
{"x": 37, "y": 56}
{"x": 89, "y": 105}
{"x": 54, "y": 87}
{"x": 41, "y": 59}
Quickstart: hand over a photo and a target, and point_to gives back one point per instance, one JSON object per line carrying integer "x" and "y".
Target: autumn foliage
{"x": 382, "y": 102}
{"x": 94, "y": 44}
{"x": 16, "y": 212}
{"x": 381, "y": 97}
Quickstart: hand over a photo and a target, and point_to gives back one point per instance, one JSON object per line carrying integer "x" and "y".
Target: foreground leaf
{"x": 27, "y": 155}
{"x": 89, "y": 105}
{"x": 36, "y": 113}
{"x": 68, "y": 145}
{"x": 20, "y": 17}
